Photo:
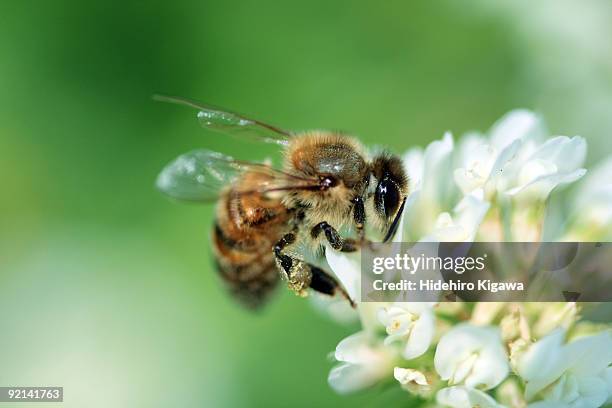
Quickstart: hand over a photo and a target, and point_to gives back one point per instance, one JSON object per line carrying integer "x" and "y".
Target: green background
{"x": 107, "y": 288}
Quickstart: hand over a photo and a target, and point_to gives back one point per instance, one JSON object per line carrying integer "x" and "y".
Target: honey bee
{"x": 327, "y": 183}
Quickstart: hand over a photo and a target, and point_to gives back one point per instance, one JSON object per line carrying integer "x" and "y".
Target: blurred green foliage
{"x": 106, "y": 287}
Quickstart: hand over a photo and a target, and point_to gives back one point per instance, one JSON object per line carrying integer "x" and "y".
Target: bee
{"x": 327, "y": 184}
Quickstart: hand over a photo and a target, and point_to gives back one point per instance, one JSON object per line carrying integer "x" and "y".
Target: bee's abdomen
{"x": 246, "y": 228}
{"x": 250, "y": 273}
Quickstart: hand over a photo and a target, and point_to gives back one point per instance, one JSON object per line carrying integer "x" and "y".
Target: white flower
{"x": 465, "y": 397}
{"x": 554, "y": 315}
{"x": 437, "y": 161}
{"x": 513, "y": 161}
{"x": 485, "y": 312}
{"x": 491, "y": 187}
{"x": 477, "y": 158}
{"x": 363, "y": 363}
{"x": 510, "y": 393}
{"x": 347, "y": 268}
{"x": 607, "y": 377}
{"x": 406, "y": 376}
{"x": 472, "y": 355}
{"x": 555, "y": 162}
{"x": 482, "y": 162}
{"x": 463, "y": 224}
{"x": 519, "y": 124}
{"x": 413, "y": 165}
{"x": 591, "y": 212}
{"x": 412, "y": 380}
{"x": 514, "y": 325}
{"x": 548, "y": 404}
{"x": 431, "y": 187}
{"x": 413, "y": 323}
{"x": 336, "y": 308}
{"x": 572, "y": 375}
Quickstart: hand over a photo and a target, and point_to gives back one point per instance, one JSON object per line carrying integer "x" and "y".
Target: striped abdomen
{"x": 246, "y": 228}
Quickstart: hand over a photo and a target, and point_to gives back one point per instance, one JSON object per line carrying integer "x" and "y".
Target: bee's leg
{"x": 359, "y": 217}
{"x": 285, "y": 261}
{"x": 295, "y": 271}
{"x": 334, "y": 239}
{"x": 301, "y": 275}
{"x": 323, "y": 282}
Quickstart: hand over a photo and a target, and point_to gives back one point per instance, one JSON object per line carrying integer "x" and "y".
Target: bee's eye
{"x": 327, "y": 182}
{"x": 387, "y": 197}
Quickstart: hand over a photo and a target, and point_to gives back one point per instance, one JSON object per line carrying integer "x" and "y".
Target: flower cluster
{"x": 490, "y": 187}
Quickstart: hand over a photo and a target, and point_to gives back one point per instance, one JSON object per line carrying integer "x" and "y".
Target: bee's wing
{"x": 231, "y": 123}
{"x": 202, "y": 175}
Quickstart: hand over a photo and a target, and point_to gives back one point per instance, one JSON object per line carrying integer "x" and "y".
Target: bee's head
{"x": 390, "y": 191}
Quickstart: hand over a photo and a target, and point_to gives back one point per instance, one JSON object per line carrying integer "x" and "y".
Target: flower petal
{"x": 590, "y": 355}
{"x": 503, "y": 160}
{"x": 406, "y": 376}
{"x": 465, "y": 397}
{"x": 541, "y": 187}
{"x": 421, "y": 336}
{"x": 347, "y": 268}
{"x": 593, "y": 391}
{"x": 542, "y": 363}
{"x": 413, "y": 164}
{"x": 362, "y": 364}
{"x": 607, "y": 377}
{"x": 346, "y": 378}
{"x": 463, "y": 225}
{"x": 436, "y": 164}
{"x": 517, "y": 124}
{"x": 566, "y": 153}
{"x": 591, "y": 213}
{"x": 353, "y": 349}
{"x": 490, "y": 369}
{"x": 338, "y": 309}
{"x": 548, "y": 404}
{"x": 472, "y": 353}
